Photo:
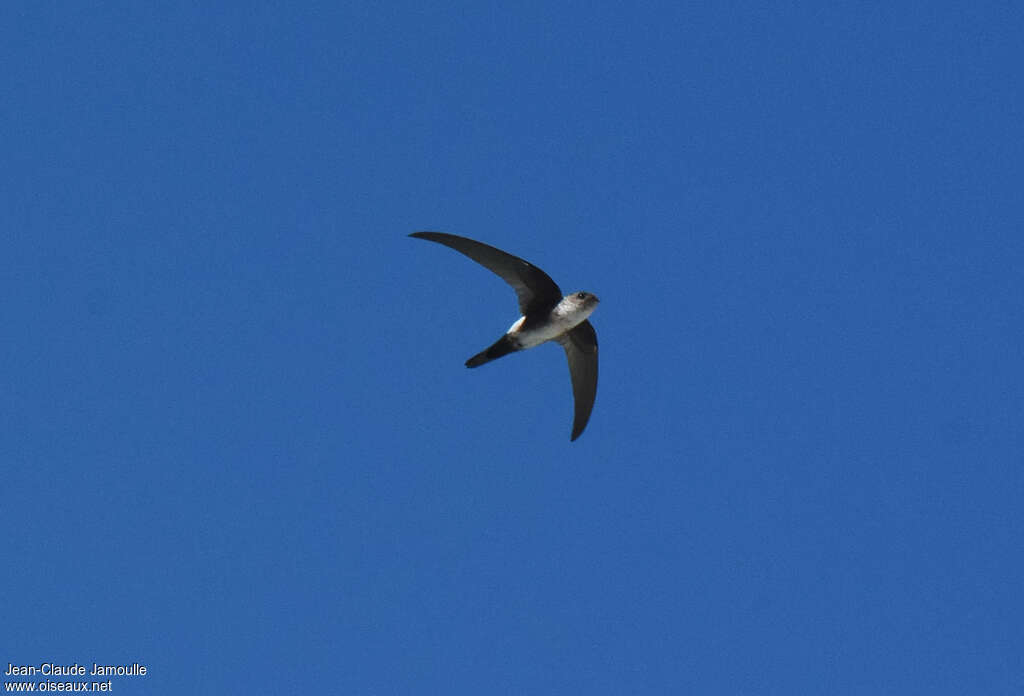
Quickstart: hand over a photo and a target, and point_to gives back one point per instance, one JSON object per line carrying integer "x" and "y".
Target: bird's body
{"x": 547, "y": 316}
{"x": 567, "y": 314}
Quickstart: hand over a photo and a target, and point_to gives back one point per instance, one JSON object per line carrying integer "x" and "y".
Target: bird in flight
{"x": 547, "y": 316}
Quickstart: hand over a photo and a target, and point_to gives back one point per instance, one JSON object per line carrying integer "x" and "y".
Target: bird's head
{"x": 577, "y": 306}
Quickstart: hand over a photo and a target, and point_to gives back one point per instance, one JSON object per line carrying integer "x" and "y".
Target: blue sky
{"x": 238, "y": 442}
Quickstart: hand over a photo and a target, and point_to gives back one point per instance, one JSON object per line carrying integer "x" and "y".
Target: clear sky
{"x": 238, "y": 444}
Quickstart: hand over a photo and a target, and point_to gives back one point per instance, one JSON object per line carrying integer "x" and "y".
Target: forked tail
{"x": 503, "y": 346}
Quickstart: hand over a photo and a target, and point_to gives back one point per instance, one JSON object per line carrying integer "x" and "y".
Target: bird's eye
{"x": 581, "y": 295}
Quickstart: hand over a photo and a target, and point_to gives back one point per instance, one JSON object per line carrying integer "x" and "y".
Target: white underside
{"x": 534, "y": 337}
{"x": 561, "y": 321}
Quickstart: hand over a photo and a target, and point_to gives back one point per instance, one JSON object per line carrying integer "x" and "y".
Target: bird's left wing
{"x": 580, "y": 344}
{"x": 534, "y": 288}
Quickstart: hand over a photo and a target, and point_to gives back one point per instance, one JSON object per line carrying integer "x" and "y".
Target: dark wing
{"x": 581, "y": 349}
{"x": 535, "y": 289}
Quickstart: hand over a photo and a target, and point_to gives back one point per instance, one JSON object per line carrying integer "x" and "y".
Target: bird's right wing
{"x": 580, "y": 344}
{"x": 534, "y": 288}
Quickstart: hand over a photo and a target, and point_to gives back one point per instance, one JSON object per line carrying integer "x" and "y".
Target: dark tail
{"x": 502, "y": 347}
